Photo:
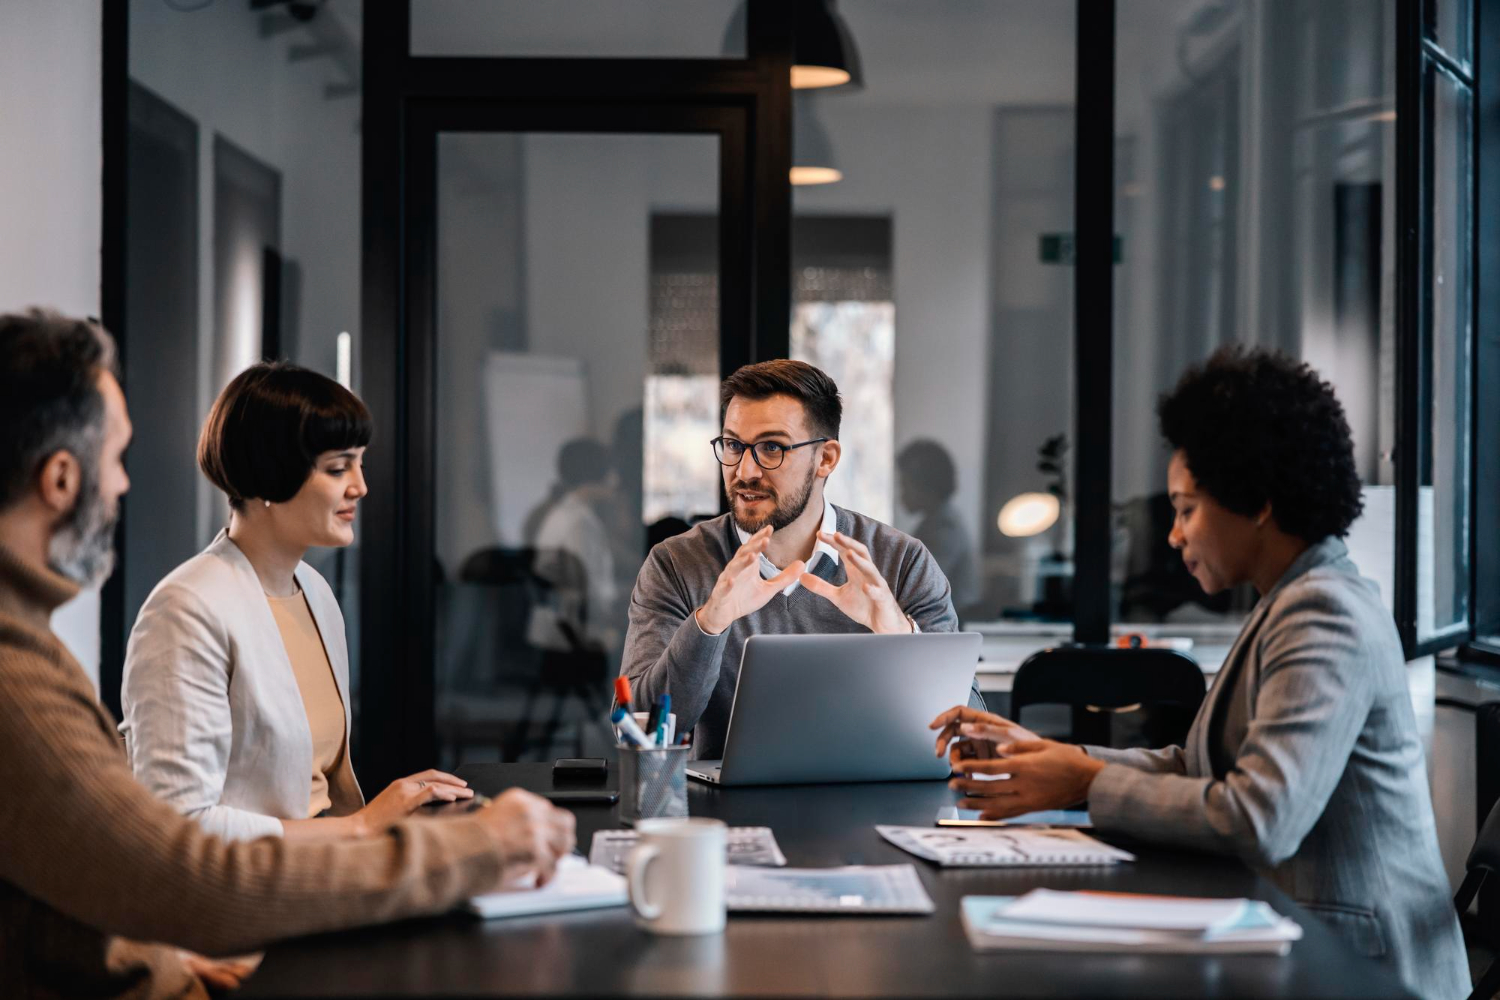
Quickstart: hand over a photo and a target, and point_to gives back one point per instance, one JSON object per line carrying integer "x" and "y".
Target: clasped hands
{"x": 1004, "y": 769}
{"x": 865, "y": 596}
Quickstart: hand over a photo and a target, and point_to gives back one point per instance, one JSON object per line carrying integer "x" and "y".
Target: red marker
{"x": 622, "y": 693}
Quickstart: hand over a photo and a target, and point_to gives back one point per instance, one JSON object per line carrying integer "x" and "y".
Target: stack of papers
{"x": 964, "y": 847}
{"x": 1046, "y": 920}
{"x": 745, "y": 845}
{"x": 577, "y": 885}
{"x": 851, "y": 890}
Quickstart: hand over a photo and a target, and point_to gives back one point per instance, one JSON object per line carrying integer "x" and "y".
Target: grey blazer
{"x": 1305, "y": 762}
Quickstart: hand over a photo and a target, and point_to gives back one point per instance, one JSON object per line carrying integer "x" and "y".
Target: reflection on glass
{"x": 1452, "y": 27}
{"x": 921, "y": 284}
{"x": 1443, "y": 525}
{"x": 1254, "y": 153}
{"x": 577, "y": 350}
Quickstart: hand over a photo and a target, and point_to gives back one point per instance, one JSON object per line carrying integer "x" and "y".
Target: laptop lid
{"x": 824, "y": 708}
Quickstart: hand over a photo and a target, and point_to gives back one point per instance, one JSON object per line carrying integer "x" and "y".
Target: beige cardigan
{"x": 214, "y": 721}
{"x": 90, "y": 858}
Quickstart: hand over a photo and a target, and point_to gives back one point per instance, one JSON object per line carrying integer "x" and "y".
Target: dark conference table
{"x": 602, "y": 953}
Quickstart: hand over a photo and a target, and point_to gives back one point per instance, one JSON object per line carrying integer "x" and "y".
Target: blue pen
{"x": 664, "y": 708}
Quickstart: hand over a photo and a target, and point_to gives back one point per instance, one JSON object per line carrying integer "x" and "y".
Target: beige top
{"x": 320, "y": 692}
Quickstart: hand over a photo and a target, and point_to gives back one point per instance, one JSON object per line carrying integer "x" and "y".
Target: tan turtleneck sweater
{"x": 91, "y": 864}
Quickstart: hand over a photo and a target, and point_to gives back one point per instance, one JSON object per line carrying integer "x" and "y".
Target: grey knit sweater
{"x": 666, "y": 651}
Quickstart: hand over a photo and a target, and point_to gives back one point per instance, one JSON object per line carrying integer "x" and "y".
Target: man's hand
{"x": 530, "y": 832}
{"x": 865, "y": 596}
{"x": 740, "y": 589}
{"x": 1038, "y": 774}
{"x": 982, "y": 733}
{"x": 220, "y": 975}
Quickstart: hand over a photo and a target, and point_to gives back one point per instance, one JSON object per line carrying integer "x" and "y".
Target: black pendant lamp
{"x": 812, "y": 152}
{"x": 823, "y": 52}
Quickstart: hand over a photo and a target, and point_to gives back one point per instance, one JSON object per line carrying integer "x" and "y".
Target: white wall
{"x": 50, "y": 196}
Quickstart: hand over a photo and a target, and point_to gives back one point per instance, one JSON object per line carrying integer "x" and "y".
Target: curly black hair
{"x": 1255, "y": 426}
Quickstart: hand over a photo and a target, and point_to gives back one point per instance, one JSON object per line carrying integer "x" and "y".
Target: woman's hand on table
{"x": 1025, "y": 776}
{"x": 405, "y": 796}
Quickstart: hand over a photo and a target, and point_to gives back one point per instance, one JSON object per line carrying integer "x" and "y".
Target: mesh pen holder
{"x": 653, "y": 783}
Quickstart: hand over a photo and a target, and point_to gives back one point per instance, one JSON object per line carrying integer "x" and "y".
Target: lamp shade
{"x": 823, "y": 52}
{"x": 812, "y": 153}
{"x": 1028, "y": 514}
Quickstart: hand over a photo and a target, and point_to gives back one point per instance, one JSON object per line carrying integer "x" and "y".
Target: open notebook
{"x": 577, "y": 885}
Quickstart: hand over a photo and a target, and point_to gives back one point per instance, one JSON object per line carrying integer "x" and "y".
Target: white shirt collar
{"x": 830, "y": 525}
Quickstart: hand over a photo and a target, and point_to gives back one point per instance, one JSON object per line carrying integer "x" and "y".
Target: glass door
{"x": 572, "y": 278}
{"x": 576, "y": 382}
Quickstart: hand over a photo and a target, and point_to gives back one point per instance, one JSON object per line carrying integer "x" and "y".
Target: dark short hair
{"x": 581, "y": 461}
{"x": 1256, "y": 426}
{"x": 268, "y": 427}
{"x": 810, "y": 386}
{"x": 929, "y": 463}
{"x": 49, "y": 393}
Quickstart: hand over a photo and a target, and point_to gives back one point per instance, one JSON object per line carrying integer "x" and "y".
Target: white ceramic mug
{"x": 676, "y": 875}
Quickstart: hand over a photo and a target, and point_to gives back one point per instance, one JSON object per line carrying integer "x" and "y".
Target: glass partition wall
{"x": 1255, "y": 194}
{"x": 240, "y": 240}
{"x": 534, "y": 236}
{"x": 577, "y": 364}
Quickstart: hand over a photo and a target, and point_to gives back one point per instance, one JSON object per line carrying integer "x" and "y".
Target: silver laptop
{"x": 823, "y": 708}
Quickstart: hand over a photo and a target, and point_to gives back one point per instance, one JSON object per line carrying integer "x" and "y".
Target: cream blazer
{"x": 214, "y": 722}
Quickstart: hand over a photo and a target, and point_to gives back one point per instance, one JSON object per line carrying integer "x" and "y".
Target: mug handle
{"x": 635, "y": 867}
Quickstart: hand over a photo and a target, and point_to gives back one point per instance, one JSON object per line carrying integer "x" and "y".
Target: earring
{"x": 266, "y": 502}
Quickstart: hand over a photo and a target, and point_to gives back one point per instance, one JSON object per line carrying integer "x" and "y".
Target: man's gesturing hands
{"x": 740, "y": 589}
{"x": 865, "y": 596}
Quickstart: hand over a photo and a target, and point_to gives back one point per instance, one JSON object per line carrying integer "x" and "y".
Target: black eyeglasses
{"x": 767, "y": 454}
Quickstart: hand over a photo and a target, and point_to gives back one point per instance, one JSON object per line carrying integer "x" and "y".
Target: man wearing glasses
{"x": 783, "y": 560}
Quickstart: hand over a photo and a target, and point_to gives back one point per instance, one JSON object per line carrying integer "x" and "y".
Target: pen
{"x": 664, "y": 703}
{"x": 628, "y": 726}
{"x": 653, "y": 719}
{"x": 622, "y": 693}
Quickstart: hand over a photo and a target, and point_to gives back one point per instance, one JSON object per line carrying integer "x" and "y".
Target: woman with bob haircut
{"x": 1304, "y": 760}
{"x": 236, "y": 688}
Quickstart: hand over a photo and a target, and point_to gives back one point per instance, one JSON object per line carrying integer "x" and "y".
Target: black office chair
{"x": 569, "y": 668}
{"x": 1484, "y": 860}
{"x": 1102, "y": 682}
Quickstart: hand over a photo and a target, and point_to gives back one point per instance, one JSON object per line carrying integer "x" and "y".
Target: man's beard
{"x": 83, "y": 546}
{"x": 783, "y": 512}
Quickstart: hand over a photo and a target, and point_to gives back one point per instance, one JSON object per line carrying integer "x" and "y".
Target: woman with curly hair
{"x": 1304, "y": 760}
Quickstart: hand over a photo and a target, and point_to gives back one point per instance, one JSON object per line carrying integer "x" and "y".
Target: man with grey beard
{"x": 101, "y": 885}
{"x": 783, "y": 561}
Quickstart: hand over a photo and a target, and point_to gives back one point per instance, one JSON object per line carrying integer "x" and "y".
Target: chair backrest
{"x": 1483, "y": 861}
{"x": 1487, "y": 794}
{"x": 1486, "y": 851}
{"x": 1111, "y": 677}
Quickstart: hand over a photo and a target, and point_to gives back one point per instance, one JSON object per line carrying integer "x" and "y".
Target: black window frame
{"x": 1419, "y": 57}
